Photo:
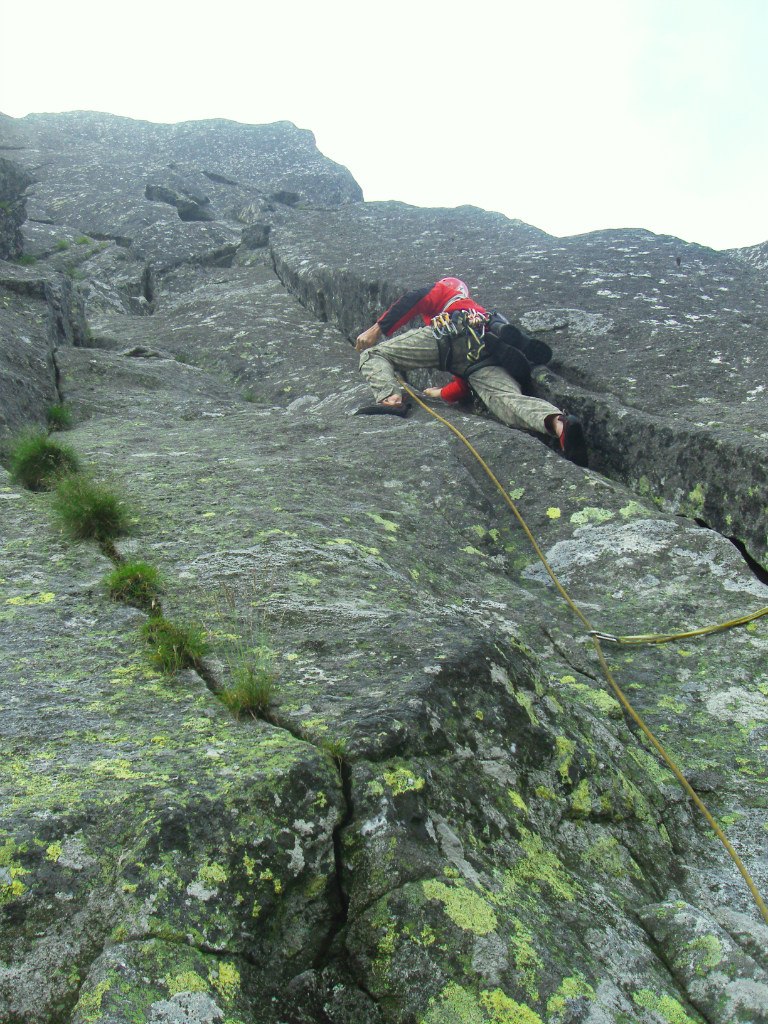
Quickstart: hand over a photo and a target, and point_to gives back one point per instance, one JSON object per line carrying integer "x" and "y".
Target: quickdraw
{"x": 468, "y": 323}
{"x": 443, "y": 326}
{"x": 451, "y": 325}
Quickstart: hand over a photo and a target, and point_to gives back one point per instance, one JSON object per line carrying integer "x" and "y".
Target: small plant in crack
{"x": 336, "y": 749}
{"x": 37, "y": 462}
{"x": 252, "y": 688}
{"x": 253, "y": 678}
{"x": 89, "y": 510}
{"x": 174, "y": 646}
{"x": 135, "y": 583}
{"x": 58, "y": 417}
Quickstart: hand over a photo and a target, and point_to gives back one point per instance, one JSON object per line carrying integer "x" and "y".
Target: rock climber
{"x": 479, "y": 348}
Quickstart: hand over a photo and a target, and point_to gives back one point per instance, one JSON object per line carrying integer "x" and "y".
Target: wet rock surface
{"x": 441, "y": 813}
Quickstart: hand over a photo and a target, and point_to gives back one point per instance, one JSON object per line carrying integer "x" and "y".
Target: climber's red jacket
{"x": 456, "y": 390}
{"x": 447, "y": 296}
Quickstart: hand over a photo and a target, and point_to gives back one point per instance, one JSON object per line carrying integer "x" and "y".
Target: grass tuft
{"x": 135, "y": 583}
{"x": 58, "y": 417}
{"x": 37, "y": 462}
{"x": 336, "y": 749}
{"x": 252, "y": 689}
{"x": 89, "y": 510}
{"x": 174, "y": 646}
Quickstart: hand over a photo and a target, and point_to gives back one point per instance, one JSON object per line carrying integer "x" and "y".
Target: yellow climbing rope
{"x": 596, "y": 636}
{"x": 665, "y": 638}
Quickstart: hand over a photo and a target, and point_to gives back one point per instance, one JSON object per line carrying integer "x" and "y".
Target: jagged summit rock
{"x": 756, "y": 255}
{"x": 436, "y": 811}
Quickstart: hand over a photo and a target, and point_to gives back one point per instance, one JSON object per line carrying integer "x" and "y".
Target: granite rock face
{"x": 439, "y": 813}
{"x": 659, "y": 345}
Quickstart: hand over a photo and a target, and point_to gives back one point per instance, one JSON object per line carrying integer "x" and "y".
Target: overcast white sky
{"x": 573, "y": 115}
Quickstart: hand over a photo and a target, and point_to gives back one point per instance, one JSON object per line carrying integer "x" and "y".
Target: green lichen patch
{"x": 591, "y": 514}
{"x": 459, "y": 1005}
{"x": 693, "y": 505}
{"x": 666, "y": 1006}
{"x": 702, "y": 954}
{"x": 610, "y": 858}
{"x": 146, "y": 979}
{"x": 12, "y": 888}
{"x": 400, "y": 779}
{"x": 466, "y": 908}
{"x": 539, "y": 869}
{"x": 595, "y": 696}
{"x": 571, "y": 988}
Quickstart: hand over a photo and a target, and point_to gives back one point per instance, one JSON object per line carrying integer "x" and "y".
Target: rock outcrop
{"x": 439, "y": 812}
{"x": 13, "y": 182}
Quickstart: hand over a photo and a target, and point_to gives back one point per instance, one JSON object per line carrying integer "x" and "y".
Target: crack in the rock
{"x": 669, "y": 965}
{"x": 272, "y": 717}
{"x": 345, "y": 775}
{"x": 567, "y": 657}
{"x": 57, "y": 375}
{"x": 758, "y": 570}
{"x": 569, "y": 377}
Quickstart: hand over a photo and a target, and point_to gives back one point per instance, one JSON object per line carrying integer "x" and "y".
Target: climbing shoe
{"x": 572, "y": 441}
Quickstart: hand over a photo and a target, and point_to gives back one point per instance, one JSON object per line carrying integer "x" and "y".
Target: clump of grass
{"x": 89, "y": 510}
{"x": 336, "y": 749}
{"x": 38, "y": 463}
{"x": 252, "y": 676}
{"x": 58, "y": 417}
{"x": 251, "y": 690}
{"x": 174, "y": 645}
{"x": 135, "y": 583}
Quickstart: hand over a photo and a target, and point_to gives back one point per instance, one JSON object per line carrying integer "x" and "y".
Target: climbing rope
{"x": 596, "y": 637}
{"x": 665, "y": 638}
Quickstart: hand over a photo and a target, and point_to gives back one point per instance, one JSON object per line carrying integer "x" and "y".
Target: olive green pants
{"x": 418, "y": 349}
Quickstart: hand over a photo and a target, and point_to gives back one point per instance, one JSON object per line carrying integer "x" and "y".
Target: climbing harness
{"x": 597, "y": 637}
